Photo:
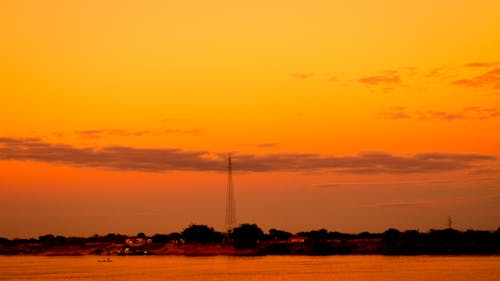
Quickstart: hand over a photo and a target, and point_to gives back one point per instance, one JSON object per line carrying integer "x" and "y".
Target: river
{"x": 266, "y": 268}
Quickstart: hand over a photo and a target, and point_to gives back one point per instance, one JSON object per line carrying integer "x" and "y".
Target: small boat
{"x": 105, "y": 260}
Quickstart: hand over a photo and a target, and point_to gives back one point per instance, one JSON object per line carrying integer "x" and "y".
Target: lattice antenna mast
{"x": 230, "y": 211}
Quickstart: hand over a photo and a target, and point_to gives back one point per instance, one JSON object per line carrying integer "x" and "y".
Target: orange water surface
{"x": 251, "y": 268}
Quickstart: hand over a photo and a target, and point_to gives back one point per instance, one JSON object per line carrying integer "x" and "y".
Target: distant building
{"x": 136, "y": 246}
{"x": 297, "y": 240}
{"x": 136, "y": 242}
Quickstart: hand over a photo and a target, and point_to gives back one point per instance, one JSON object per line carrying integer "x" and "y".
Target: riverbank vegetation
{"x": 249, "y": 239}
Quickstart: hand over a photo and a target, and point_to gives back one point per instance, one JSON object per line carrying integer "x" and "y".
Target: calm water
{"x": 270, "y": 268}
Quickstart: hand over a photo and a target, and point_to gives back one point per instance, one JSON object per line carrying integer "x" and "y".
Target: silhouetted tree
{"x": 96, "y": 238}
{"x": 317, "y": 242}
{"x": 364, "y": 235}
{"x": 60, "y": 240}
{"x": 17, "y": 241}
{"x": 275, "y": 234}
{"x": 201, "y": 234}
{"x": 117, "y": 238}
{"x": 338, "y": 235}
{"x": 174, "y": 236}
{"x": 48, "y": 240}
{"x": 141, "y": 235}
{"x": 391, "y": 235}
{"x": 412, "y": 242}
{"x": 110, "y": 237}
{"x": 79, "y": 241}
{"x": 497, "y": 239}
{"x": 247, "y": 236}
{"x": 446, "y": 241}
{"x": 391, "y": 241}
{"x": 480, "y": 242}
{"x": 160, "y": 238}
{"x": 321, "y": 234}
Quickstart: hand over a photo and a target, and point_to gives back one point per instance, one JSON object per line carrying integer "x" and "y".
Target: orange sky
{"x": 117, "y": 116}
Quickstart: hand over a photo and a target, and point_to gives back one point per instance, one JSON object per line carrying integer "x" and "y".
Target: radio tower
{"x": 230, "y": 212}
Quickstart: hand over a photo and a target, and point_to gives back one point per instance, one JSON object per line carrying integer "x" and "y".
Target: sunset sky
{"x": 118, "y": 116}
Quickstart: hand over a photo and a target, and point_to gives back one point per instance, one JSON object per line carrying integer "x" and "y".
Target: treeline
{"x": 52, "y": 240}
{"x": 446, "y": 241}
{"x": 315, "y": 242}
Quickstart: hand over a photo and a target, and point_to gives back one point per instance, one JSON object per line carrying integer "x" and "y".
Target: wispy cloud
{"x": 409, "y": 77}
{"x": 440, "y": 115}
{"x": 173, "y": 120}
{"x": 267, "y": 144}
{"x": 493, "y": 171}
{"x": 438, "y": 73}
{"x": 432, "y": 202}
{"x": 470, "y": 112}
{"x": 473, "y": 177}
{"x": 95, "y": 134}
{"x": 323, "y": 77}
{"x": 112, "y": 157}
{"x": 397, "y": 204}
{"x": 102, "y": 133}
{"x": 194, "y": 132}
{"x": 482, "y": 64}
{"x": 169, "y": 159}
{"x": 396, "y": 112}
{"x": 379, "y": 184}
{"x": 302, "y": 75}
{"x": 490, "y": 78}
{"x": 386, "y": 78}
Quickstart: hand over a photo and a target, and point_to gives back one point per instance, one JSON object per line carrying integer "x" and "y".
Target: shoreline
{"x": 326, "y": 248}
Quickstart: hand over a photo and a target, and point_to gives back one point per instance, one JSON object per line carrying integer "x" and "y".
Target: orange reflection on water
{"x": 272, "y": 268}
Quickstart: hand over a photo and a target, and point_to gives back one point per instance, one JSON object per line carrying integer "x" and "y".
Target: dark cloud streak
{"x": 466, "y": 113}
{"x": 389, "y": 77}
{"x": 168, "y": 159}
{"x": 482, "y": 64}
{"x": 490, "y": 78}
{"x": 97, "y": 134}
{"x": 267, "y": 144}
{"x": 302, "y": 76}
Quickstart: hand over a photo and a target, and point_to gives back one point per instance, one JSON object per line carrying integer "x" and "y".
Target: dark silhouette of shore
{"x": 249, "y": 239}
